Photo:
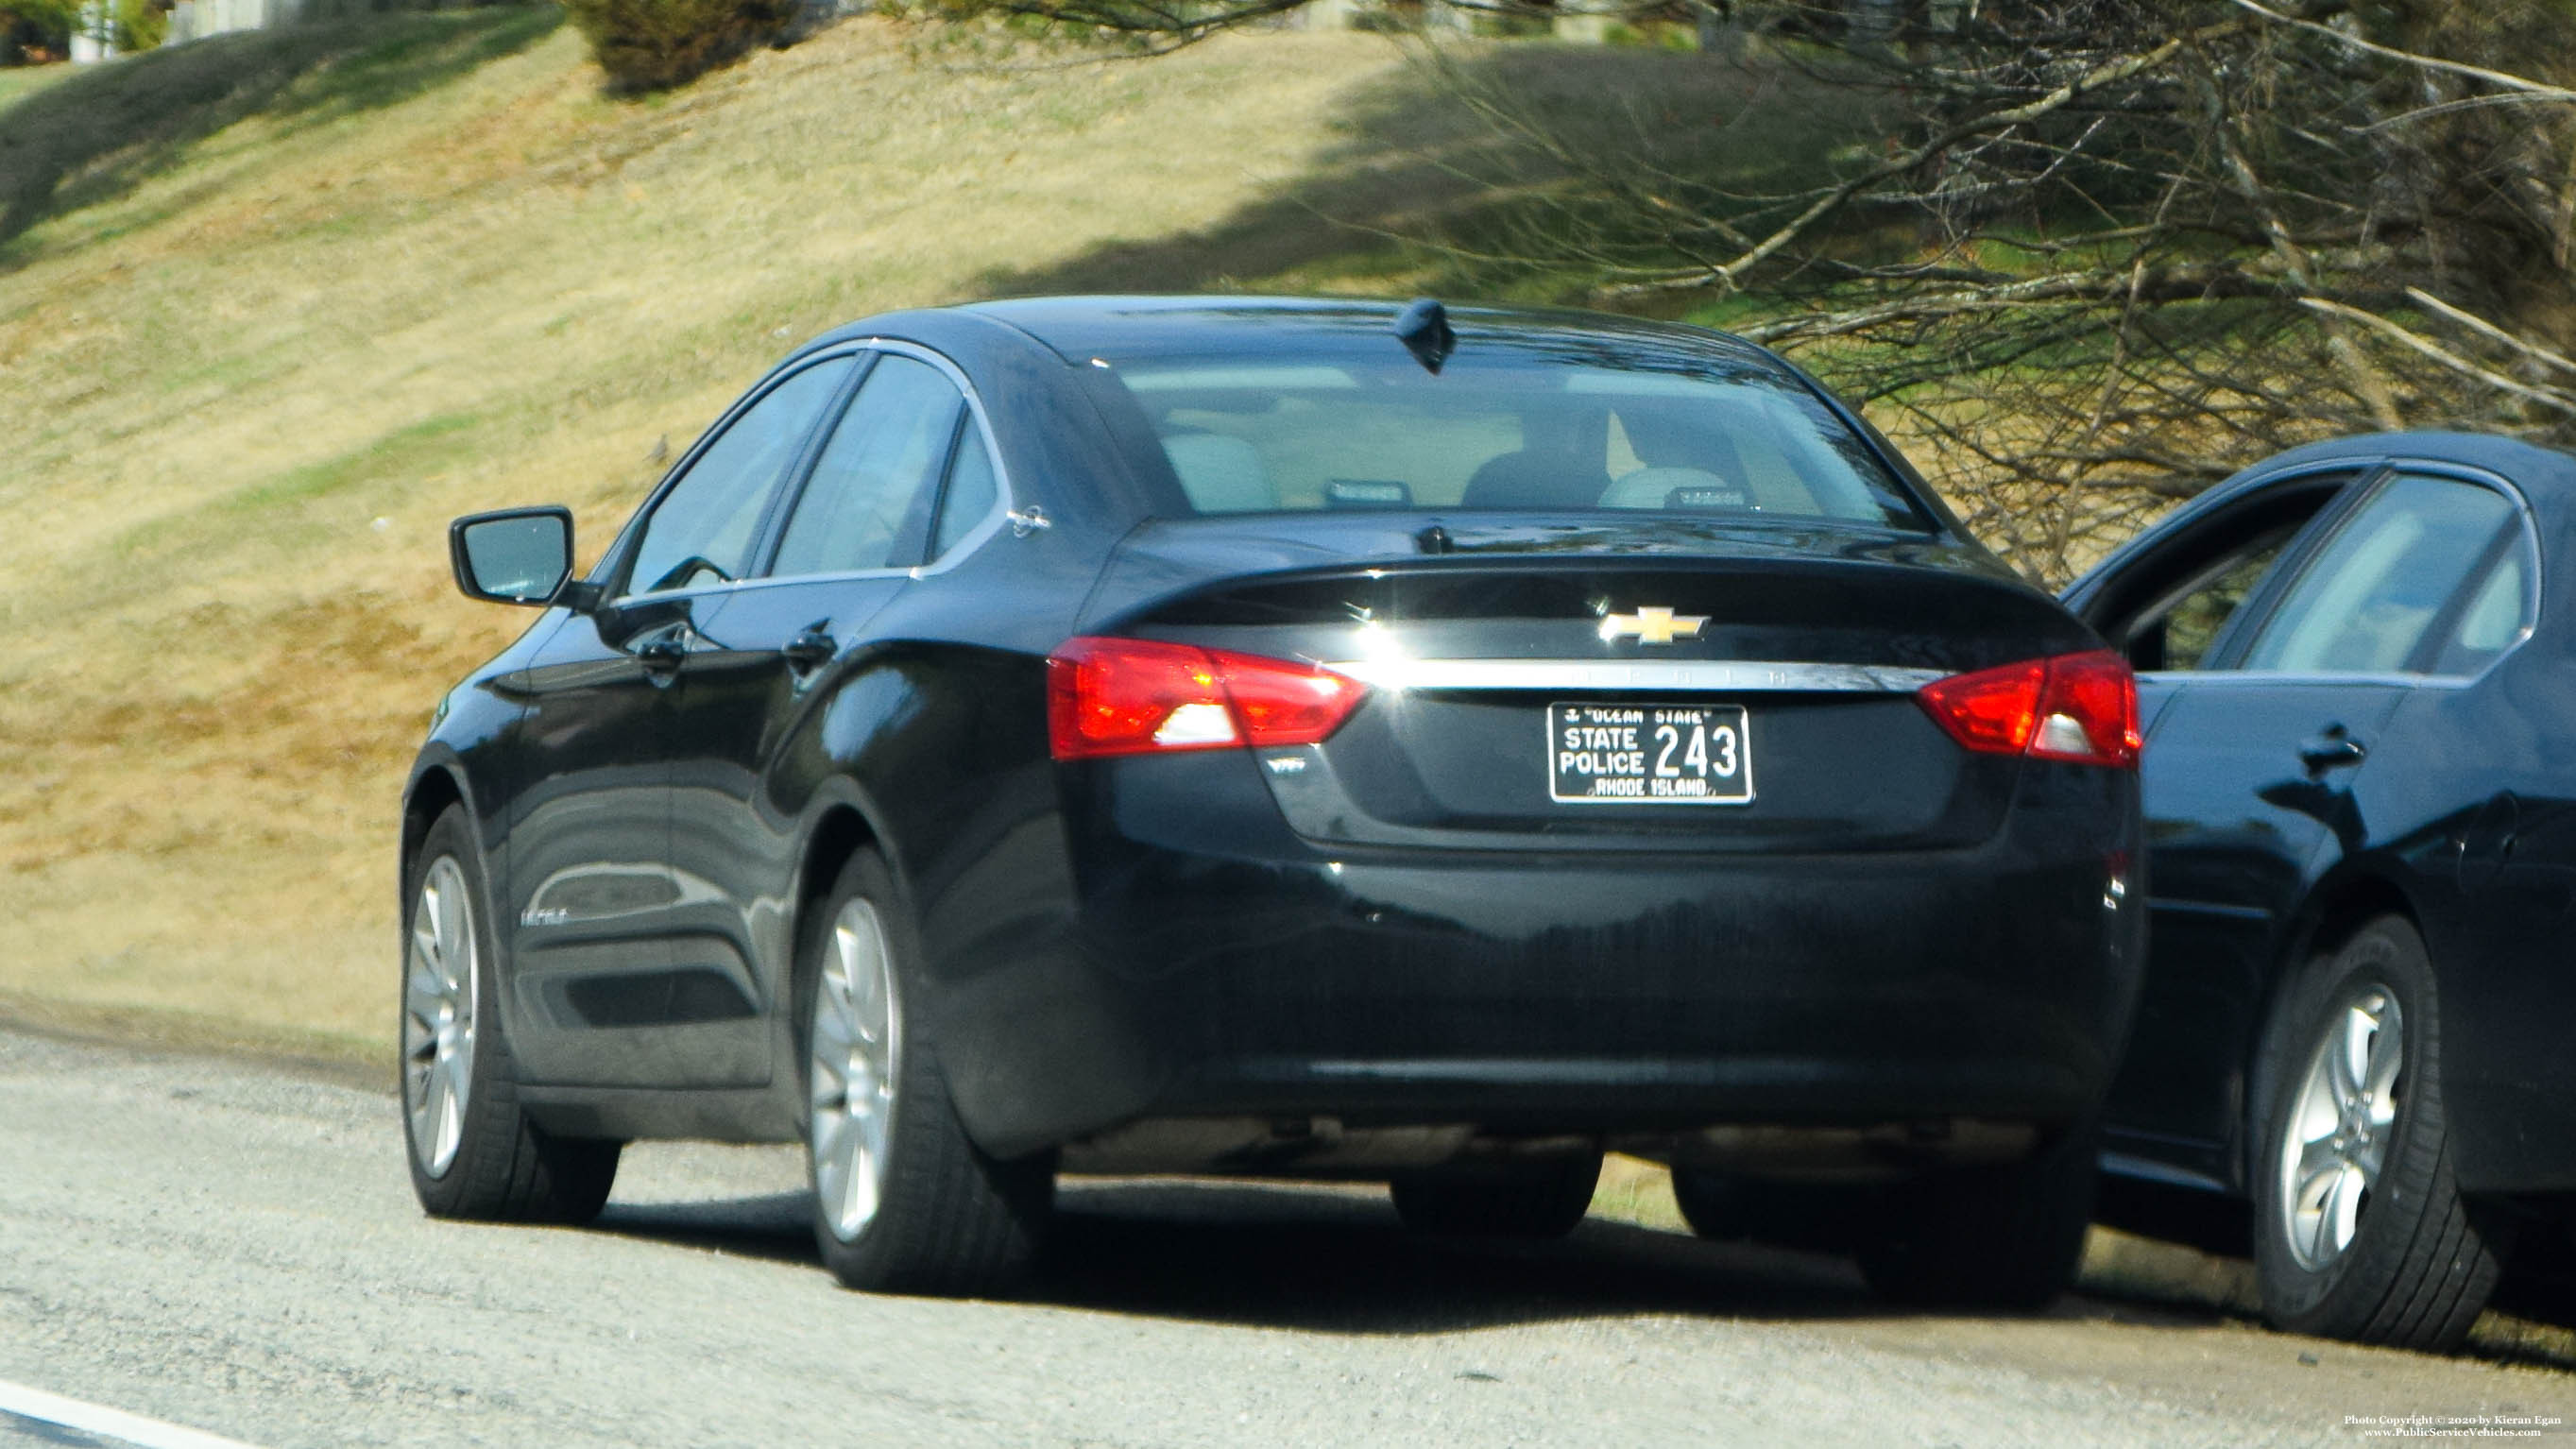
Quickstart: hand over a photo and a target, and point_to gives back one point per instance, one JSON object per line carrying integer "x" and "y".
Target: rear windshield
{"x": 1516, "y": 428}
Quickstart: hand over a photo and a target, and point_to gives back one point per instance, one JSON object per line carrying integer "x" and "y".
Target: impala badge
{"x": 1651, "y": 624}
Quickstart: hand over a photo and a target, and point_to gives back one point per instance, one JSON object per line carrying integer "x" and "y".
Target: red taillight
{"x": 2081, "y": 708}
{"x": 2090, "y": 714}
{"x": 1138, "y": 696}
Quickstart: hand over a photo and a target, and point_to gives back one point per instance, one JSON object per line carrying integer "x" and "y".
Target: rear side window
{"x": 703, "y": 530}
{"x": 2493, "y": 615}
{"x": 2371, "y": 599}
{"x": 867, "y": 505}
{"x": 1533, "y": 428}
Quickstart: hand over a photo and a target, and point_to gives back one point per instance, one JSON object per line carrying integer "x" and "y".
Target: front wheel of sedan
{"x": 474, "y": 1153}
{"x": 1545, "y": 1198}
{"x": 903, "y": 1201}
{"x": 2360, "y": 1230}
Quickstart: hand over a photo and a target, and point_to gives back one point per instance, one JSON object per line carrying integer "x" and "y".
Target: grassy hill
{"x": 273, "y": 308}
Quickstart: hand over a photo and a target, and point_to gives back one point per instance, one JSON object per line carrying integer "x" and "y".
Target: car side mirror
{"x": 513, "y": 556}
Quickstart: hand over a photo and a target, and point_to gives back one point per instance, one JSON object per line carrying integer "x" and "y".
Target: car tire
{"x": 2005, "y": 1238}
{"x": 904, "y": 1202}
{"x": 2360, "y": 1231}
{"x": 474, "y": 1153}
{"x": 1544, "y": 1198}
{"x": 1728, "y": 1207}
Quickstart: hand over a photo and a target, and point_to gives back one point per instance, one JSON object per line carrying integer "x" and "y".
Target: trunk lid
{"x": 1515, "y": 664}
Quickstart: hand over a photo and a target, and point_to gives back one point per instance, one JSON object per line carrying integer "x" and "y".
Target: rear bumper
{"x": 2515, "y": 1136}
{"x": 1197, "y": 970}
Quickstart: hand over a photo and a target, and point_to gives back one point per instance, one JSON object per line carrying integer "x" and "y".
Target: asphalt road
{"x": 234, "y": 1248}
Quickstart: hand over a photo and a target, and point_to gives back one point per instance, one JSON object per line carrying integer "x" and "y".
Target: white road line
{"x": 133, "y": 1429}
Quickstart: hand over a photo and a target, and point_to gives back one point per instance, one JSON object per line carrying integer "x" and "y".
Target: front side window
{"x": 868, "y": 503}
{"x": 703, "y": 530}
{"x": 2195, "y": 621}
{"x": 2171, "y": 604}
{"x": 1510, "y": 427}
{"x": 2371, "y": 598}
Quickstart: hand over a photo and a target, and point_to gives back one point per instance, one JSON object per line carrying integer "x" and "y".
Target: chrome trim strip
{"x": 2218, "y": 909}
{"x": 2311, "y": 679}
{"x": 2148, "y": 1169}
{"x": 1699, "y": 676}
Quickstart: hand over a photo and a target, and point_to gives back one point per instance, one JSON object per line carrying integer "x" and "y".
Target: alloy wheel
{"x": 2343, "y": 1115}
{"x": 855, "y": 1054}
{"x": 439, "y": 999}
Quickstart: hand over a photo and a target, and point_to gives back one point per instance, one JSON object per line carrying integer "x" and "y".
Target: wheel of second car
{"x": 904, "y": 1202}
{"x": 2360, "y": 1231}
{"x": 1539, "y": 1198}
{"x": 1730, "y": 1207}
{"x": 474, "y": 1152}
{"x": 2005, "y": 1236}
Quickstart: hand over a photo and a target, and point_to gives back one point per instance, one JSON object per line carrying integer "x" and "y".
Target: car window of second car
{"x": 703, "y": 530}
{"x": 2370, "y": 597}
{"x": 868, "y": 503}
{"x": 2492, "y": 616}
{"x": 2184, "y": 629}
{"x": 2171, "y": 608}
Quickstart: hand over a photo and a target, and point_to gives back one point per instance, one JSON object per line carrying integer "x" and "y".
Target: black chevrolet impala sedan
{"x": 1308, "y": 739}
{"x": 2356, "y": 664}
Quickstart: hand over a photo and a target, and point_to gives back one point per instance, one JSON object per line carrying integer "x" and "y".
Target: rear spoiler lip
{"x": 1696, "y": 676}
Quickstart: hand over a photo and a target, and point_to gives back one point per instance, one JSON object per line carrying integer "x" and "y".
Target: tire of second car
{"x": 2360, "y": 1229}
{"x": 1813, "y": 1217}
{"x": 2006, "y": 1236}
{"x": 1542, "y": 1198}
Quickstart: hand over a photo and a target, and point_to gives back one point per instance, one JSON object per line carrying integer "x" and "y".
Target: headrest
{"x": 1220, "y": 474}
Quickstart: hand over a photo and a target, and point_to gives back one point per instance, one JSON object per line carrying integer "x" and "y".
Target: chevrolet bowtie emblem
{"x": 1652, "y": 624}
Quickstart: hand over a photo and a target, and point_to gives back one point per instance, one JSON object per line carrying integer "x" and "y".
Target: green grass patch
{"x": 278, "y": 509}
{"x": 95, "y": 135}
{"x": 405, "y": 453}
{"x": 1639, "y": 1192}
{"x": 20, "y": 81}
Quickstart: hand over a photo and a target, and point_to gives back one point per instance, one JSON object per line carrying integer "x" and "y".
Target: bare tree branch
{"x": 1730, "y": 275}
{"x": 2404, "y": 57}
{"x": 2545, "y": 396}
{"x": 2490, "y": 331}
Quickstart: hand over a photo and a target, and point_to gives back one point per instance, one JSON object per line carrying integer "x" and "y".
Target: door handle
{"x": 2332, "y": 750}
{"x": 812, "y": 648}
{"x": 662, "y": 655}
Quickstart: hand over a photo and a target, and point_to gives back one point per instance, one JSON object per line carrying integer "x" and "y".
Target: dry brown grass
{"x": 245, "y": 388}
{"x": 1634, "y": 1190}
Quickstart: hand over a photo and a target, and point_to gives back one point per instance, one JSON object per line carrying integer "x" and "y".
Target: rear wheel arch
{"x": 839, "y": 833}
{"x": 2342, "y": 906}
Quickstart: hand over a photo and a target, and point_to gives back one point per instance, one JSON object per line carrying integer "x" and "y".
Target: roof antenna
{"x": 1423, "y": 328}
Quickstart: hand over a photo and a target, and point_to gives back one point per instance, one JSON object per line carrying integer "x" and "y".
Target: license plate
{"x": 1649, "y": 754}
